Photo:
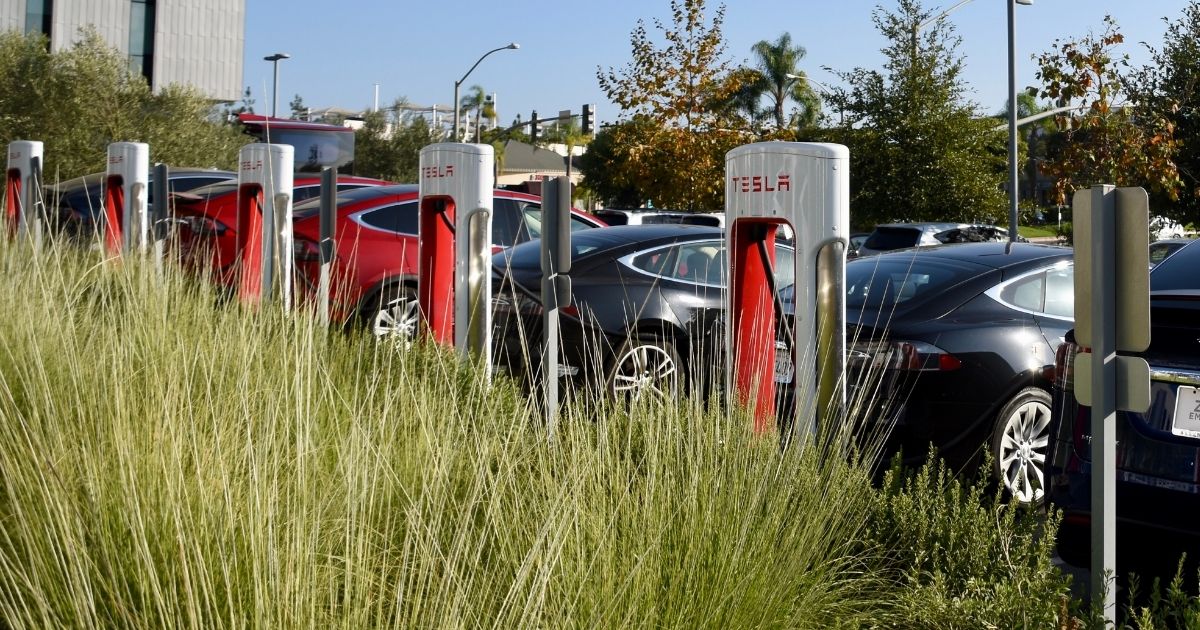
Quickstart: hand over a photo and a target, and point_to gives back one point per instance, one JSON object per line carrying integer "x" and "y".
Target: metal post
{"x": 275, "y": 92}
{"x": 326, "y": 243}
{"x": 556, "y": 284}
{"x": 161, "y": 214}
{"x": 455, "y": 138}
{"x": 1013, "y": 185}
{"x": 1104, "y": 397}
{"x": 34, "y": 203}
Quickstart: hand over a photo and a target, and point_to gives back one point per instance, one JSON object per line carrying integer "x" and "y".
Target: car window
{"x": 658, "y": 262}
{"x": 1159, "y": 251}
{"x": 400, "y": 218}
{"x": 1027, "y": 293}
{"x": 874, "y": 283}
{"x": 507, "y": 226}
{"x": 885, "y": 238}
{"x": 1178, "y": 271}
{"x": 1060, "y": 292}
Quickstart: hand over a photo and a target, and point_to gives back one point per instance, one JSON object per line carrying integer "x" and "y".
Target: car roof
{"x": 95, "y": 179}
{"x": 931, "y": 226}
{"x": 623, "y": 234}
{"x": 990, "y": 254}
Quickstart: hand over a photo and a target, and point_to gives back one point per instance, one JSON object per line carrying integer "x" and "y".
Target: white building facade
{"x": 193, "y": 42}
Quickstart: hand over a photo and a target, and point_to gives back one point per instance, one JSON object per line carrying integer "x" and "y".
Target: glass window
{"x": 659, "y": 262}
{"x": 1027, "y": 293}
{"x": 1060, "y": 292}
{"x": 874, "y": 283}
{"x": 141, "y": 38}
{"x": 508, "y": 227}
{"x": 1178, "y": 271}
{"x": 39, "y": 16}
{"x": 399, "y": 218}
{"x": 886, "y": 238}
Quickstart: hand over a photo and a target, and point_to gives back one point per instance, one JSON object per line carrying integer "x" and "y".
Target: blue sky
{"x": 418, "y": 49}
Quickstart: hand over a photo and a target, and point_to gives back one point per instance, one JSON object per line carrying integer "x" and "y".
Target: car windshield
{"x": 882, "y": 283}
{"x": 1177, "y": 271}
{"x": 885, "y": 238}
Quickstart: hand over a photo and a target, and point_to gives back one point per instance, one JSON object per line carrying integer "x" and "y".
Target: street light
{"x": 1013, "y": 184}
{"x": 458, "y": 83}
{"x": 275, "y": 59}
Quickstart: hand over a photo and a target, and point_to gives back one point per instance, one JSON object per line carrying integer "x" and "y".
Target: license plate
{"x": 1187, "y": 412}
{"x": 784, "y": 368}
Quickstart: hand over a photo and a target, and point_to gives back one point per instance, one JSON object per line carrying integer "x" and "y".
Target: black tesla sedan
{"x": 1158, "y": 452}
{"x": 956, "y": 344}
{"x": 646, "y": 314}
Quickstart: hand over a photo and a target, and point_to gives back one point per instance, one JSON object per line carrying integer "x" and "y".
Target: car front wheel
{"x": 1020, "y": 443}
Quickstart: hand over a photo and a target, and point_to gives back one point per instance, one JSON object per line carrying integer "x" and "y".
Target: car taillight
{"x": 204, "y": 226}
{"x": 305, "y": 250}
{"x": 1064, "y": 365}
{"x": 909, "y": 356}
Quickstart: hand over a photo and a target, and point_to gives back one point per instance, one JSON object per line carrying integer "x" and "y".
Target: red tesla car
{"x": 375, "y": 270}
{"x": 206, "y": 220}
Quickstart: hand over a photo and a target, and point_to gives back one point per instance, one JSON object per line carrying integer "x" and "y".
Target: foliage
{"x": 677, "y": 92}
{"x": 919, "y": 151}
{"x": 1106, "y": 140}
{"x": 298, "y": 108}
{"x": 775, "y": 62}
{"x": 388, "y": 146}
{"x": 603, "y": 164}
{"x": 1168, "y": 88}
{"x": 963, "y": 558}
{"x": 476, "y": 100}
{"x": 79, "y": 100}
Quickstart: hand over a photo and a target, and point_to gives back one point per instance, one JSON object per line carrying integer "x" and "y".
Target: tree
{"x": 677, "y": 92}
{"x": 299, "y": 111}
{"x": 777, "y": 71}
{"x": 1168, "y": 88}
{"x": 79, "y": 100}
{"x": 477, "y": 101}
{"x": 388, "y": 146}
{"x": 919, "y": 150}
{"x": 602, "y": 165}
{"x": 1108, "y": 140}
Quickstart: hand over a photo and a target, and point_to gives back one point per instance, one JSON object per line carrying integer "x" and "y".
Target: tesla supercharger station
{"x": 22, "y": 191}
{"x": 126, "y": 214}
{"x": 264, "y": 223}
{"x": 805, "y": 186}
{"x": 454, "y": 283}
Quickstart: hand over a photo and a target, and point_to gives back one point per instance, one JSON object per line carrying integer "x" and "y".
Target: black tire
{"x": 393, "y": 313}
{"x": 646, "y": 366}
{"x": 1020, "y": 445}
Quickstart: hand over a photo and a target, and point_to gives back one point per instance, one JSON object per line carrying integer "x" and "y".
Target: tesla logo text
{"x": 14, "y": 155}
{"x": 251, "y": 165}
{"x": 762, "y": 183}
{"x": 433, "y": 172}
{"x": 115, "y": 159}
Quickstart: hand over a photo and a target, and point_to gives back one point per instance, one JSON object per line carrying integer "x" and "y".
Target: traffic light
{"x": 535, "y": 127}
{"x": 587, "y": 123}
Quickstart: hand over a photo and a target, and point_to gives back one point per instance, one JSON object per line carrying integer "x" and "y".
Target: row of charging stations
{"x": 804, "y": 186}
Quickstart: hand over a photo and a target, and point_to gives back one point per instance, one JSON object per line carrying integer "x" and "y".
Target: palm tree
{"x": 476, "y": 100}
{"x": 780, "y": 79}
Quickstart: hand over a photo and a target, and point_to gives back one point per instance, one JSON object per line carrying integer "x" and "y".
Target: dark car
{"x": 375, "y": 271}
{"x": 893, "y": 236}
{"x": 1159, "y": 250}
{"x": 956, "y": 344}
{"x": 77, "y": 206}
{"x": 1158, "y": 452}
{"x": 646, "y": 318}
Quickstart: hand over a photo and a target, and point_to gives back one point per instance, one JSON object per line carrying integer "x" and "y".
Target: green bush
{"x": 959, "y": 556}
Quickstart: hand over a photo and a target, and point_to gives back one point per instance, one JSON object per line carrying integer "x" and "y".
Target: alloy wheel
{"x": 1021, "y": 455}
{"x": 646, "y": 371}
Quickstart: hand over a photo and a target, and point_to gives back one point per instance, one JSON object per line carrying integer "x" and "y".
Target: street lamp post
{"x": 275, "y": 59}
{"x": 1013, "y": 184}
{"x": 458, "y": 83}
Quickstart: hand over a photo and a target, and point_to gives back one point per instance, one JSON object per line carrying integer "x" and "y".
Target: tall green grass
{"x": 171, "y": 459}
